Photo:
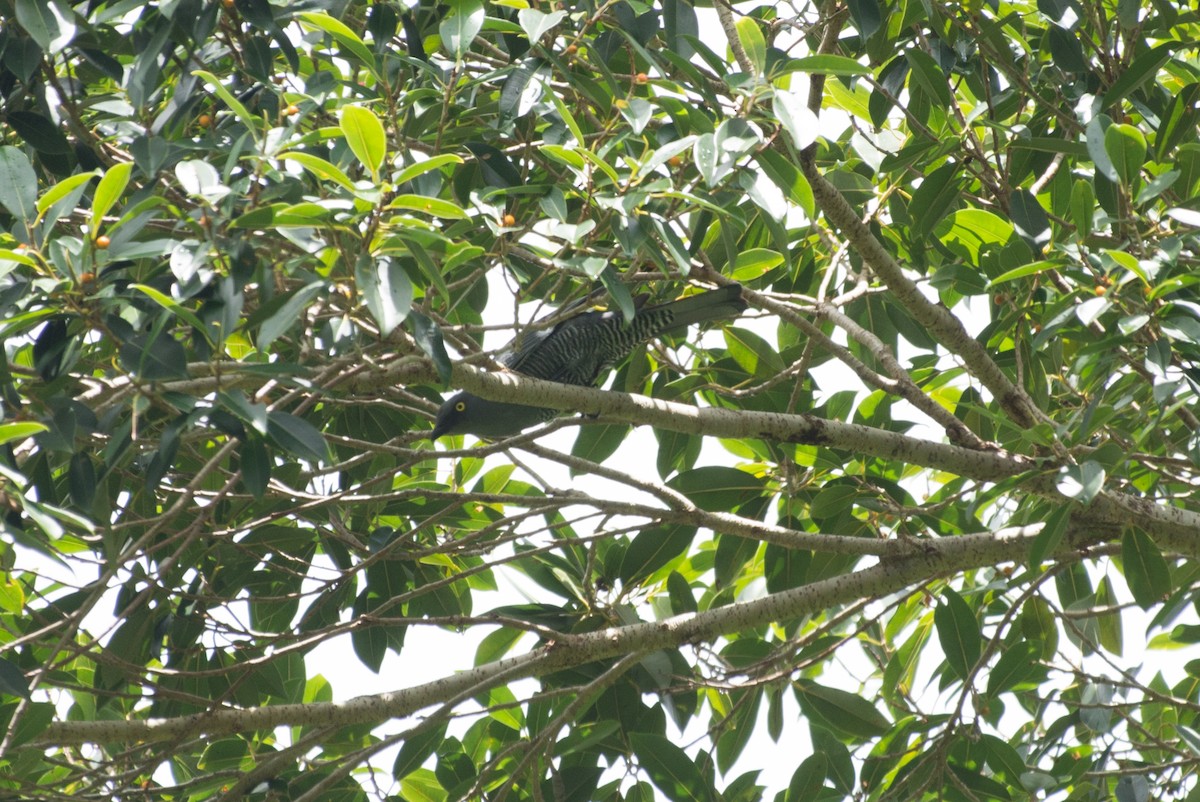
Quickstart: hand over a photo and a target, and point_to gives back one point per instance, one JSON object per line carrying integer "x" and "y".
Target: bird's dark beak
{"x": 440, "y": 427}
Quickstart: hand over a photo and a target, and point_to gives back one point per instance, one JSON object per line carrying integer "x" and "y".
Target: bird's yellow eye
{"x": 460, "y": 406}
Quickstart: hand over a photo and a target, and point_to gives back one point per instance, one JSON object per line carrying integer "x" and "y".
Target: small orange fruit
{"x": 509, "y": 221}
{"x": 641, "y": 78}
{"x": 205, "y": 120}
{"x": 292, "y": 110}
{"x": 1100, "y": 289}
{"x": 103, "y": 242}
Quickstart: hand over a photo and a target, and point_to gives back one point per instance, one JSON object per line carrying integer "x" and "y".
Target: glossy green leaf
{"x": 320, "y": 168}
{"x": 341, "y": 33}
{"x": 365, "y": 135}
{"x": 751, "y": 39}
{"x": 431, "y": 206}
{"x": 461, "y": 26}
{"x": 428, "y": 165}
{"x": 64, "y": 188}
{"x": 228, "y": 98}
{"x": 1126, "y": 147}
{"x": 19, "y": 430}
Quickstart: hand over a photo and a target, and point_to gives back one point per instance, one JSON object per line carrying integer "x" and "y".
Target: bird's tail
{"x": 705, "y": 307}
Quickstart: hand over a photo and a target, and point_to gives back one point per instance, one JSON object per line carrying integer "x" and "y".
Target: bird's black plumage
{"x": 577, "y": 351}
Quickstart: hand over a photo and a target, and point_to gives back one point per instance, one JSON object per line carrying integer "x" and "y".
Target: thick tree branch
{"x": 937, "y": 558}
{"x": 672, "y": 416}
{"x": 1173, "y": 527}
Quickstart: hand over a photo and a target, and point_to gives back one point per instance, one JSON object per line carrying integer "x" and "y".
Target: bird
{"x": 577, "y": 350}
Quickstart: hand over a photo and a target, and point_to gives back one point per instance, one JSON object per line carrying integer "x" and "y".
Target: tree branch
{"x": 944, "y": 556}
{"x": 940, "y": 322}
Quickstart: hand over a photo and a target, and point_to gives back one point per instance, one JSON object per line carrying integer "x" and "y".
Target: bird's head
{"x": 464, "y": 413}
{"x": 454, "y": 416}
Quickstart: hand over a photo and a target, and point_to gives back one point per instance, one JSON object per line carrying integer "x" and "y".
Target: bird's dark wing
{"x": 517, "y": 352}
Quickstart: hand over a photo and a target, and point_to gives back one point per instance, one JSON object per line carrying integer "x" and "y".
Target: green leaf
{"x": 1144, "y": 67}
{"x": 796, "y": 118}
{"x": 841, "y": 711}
{"x": 18, "y": 185}
{"x": 154, "y": 357}
{"x": 752, "y": 353}
{"x": 461, "y": 26}
{"x": 417, "y": 748}
{"x": 788, "y": 178}
{"x": 1095, "y": 137}
{"x": 1112, "y": 636}
{"x": 251, "y": 122}
{"x": 1146, "y": 571}
{"x": 1179, "y": 122}
{"x": 40, "y": 132}
{"x": 428, "y": 336}
{"x": 809, "y": 779}
{"x": 717, "y": 487}
{"x": 958, "y": 633}
{"x": 933, "y": 199}
{"x": 423, "y": 167}
{"x": 973, "y": 229}
{"x": 386, "y": 289}
{"x": 1081, "y": 482}
{"x": 1065, "y": 49}
{"x": 12, "y": 680}
{"x": 652, "y": 548}
{"x": 51, "y": 23}
{"x": 343, "y": 35}
{"x": 19, "y": 430}
{"x": 680, "y": 591}
{"x": 752, "y": 41}
{"x": 297, "y": 436}
{"x": 255, "y": 466}
{"x": 171, "y": 305}
{"x": 536, "y": 23}
{"x": 1083, "y": 207}
{"x": 1126, "y": 147}
{"x": 669, "y": 767}
{"x": 1017, "y": 663}
{"x": 284, "y": 314}
{"x": 432, "y": 206}
{"x": 1029, "y": 219}
{"x": 597, "y": 443}
{"x": 63, "y": 188}
{"x": 829, "y": 65}
{"x": 752, "y": 263}
{"x": 320, "y": 168}
{"x": 926, "y": 73}
{"x": 365, "y": 135}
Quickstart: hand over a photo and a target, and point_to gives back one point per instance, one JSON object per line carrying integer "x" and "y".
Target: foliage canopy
{"x": 951, "y": 452}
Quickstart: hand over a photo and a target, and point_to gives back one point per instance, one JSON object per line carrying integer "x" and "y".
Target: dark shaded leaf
{"x": 958, "y": 633}
{"x": 1146, "y": 571}
{"x": 297, "y": 436}
{"x": 12, "y": 680}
